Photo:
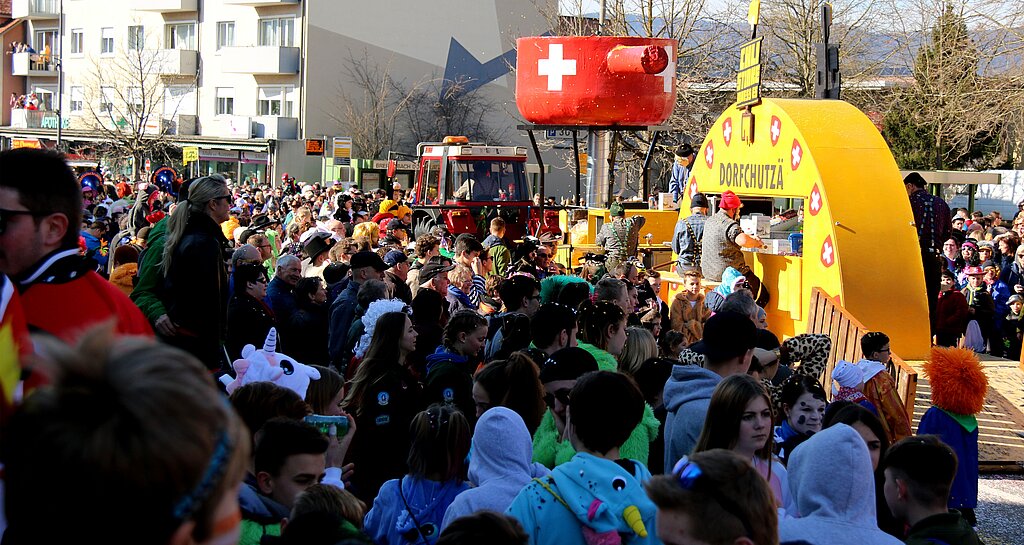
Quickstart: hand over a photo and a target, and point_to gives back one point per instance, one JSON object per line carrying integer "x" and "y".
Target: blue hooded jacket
{"x": 588, "y": 495}
{"x": 424, "y": 504}
{"x": 834, "y": 509}
{"x": 687, "y": 396}
{"x": 500, "y": 465}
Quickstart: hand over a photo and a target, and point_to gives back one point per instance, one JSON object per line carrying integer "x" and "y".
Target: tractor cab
{"x": 465, "y": 185}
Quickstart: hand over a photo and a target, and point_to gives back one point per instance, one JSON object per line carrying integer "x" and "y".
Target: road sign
{"x": 342, "y": 150}
{"x": 189, "y": 154}
{"x": 148, "y": 165}
{"x": 748, "y": 84}
{"x": 315, "y": 146}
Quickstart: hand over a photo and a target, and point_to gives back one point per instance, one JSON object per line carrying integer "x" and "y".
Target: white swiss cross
{"x": 798, "y": 155}
{"x": 709, "y": 155}
{"x": 776, "y": 130}
{"x": 828, "y": 255}
{"x": 668, "y": 75}
{"x": 815, "y": 201}
{"x": 555, "y": 67}
{"x": 693, "y": 186}
{"x": 727, "y": 131}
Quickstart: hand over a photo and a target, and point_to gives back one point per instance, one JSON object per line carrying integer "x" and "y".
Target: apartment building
{"x": 245, "y": 81}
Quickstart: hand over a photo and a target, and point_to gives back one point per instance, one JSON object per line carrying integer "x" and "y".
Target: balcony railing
{"x": 36, "y": 119}
{"x": 35, "y": 9}
{"x": 260, "y": 60}
{"x": 176, "y": 62}
{"x": 32, "y": 64}
{"x": 165, "y": 6}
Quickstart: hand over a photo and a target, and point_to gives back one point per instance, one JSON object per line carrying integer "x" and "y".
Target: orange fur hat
{"x": 957, "y": 380}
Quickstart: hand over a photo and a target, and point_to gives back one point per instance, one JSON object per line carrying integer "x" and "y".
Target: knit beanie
{"x": 567, "y": 364}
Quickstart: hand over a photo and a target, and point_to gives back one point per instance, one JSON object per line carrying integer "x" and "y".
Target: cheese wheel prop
{"x": 859, "y": 240}
{"x": 595, "y": 80}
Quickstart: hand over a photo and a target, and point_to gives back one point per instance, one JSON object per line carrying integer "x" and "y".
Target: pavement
{"x": 1000, "y": 509}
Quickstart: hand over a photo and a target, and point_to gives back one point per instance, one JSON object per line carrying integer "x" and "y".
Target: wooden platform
{"x": 1000, "y": 445}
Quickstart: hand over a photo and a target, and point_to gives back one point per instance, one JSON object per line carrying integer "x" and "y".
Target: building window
{"x": 107, "y": 99}
{"x": 77, "y": 99}
{"x": 136, "y": 38}
{"x": 107, "y": 41}
{"x": 181, "y": 36}
{"x": 277, "y": 32}
{"x": 135, "y": 101}
{"x": 225, "y": 34}
{"x": 77, "y": 41}
{"x": 276, "y": 101}
{"x": 225, "y": 100}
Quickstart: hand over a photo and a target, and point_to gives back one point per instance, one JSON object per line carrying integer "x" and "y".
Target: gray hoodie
{"x": 687, "y": 396}
{"x": 831, "y": 481}
{"x": 500, "y": 465}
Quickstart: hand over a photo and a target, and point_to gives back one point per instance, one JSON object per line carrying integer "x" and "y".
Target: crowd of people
{"x": 235, "y": 363}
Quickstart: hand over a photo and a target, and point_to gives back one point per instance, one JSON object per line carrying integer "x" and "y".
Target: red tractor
{"x": 465, "y": 185}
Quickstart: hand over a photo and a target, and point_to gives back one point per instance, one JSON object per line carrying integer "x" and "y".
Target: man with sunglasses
{"x": 40, "y": 215}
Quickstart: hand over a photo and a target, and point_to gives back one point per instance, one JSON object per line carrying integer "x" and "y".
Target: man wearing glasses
{"x": 40, "y": 216}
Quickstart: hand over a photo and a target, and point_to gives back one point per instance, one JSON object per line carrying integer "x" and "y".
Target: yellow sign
{"x": 189, "y": 154}
{"x": 583, "y": 163}
{"x": 342, "y": 147}
{"x": 754, "y": 13}
{"x": 25, "y": 143}
{"x": 748, "y": 83}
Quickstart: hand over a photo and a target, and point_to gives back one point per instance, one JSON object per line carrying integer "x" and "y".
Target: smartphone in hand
{"x": 325, "y": 423}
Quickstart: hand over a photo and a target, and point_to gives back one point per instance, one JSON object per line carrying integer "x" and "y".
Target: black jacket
{"x": 307, "y": 335}
{"x": 249, "y": 321}
{"x": 383, "y": 417}
{"x": 197, "y": 290}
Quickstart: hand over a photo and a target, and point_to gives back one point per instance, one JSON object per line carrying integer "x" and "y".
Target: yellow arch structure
{"x": 859, "y": 244}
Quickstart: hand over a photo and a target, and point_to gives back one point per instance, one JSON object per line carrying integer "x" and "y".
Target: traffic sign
{"x": 315, "y": 146}
{"x": 189, "y": 154}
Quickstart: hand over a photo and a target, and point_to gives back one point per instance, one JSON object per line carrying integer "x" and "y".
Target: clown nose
{"x": 632, "y": 517}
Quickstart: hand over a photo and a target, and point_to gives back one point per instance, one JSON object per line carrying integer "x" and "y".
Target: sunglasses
{"x": 562, "y": 395}
{"x": 691, "y": 477}
{"x": 6, "y": 215}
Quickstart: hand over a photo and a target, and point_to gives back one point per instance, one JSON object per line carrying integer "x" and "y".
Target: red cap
{"x": 730, "y": 200}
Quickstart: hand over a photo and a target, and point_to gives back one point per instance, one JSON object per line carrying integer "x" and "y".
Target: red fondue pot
{"x": 595, "y": 80}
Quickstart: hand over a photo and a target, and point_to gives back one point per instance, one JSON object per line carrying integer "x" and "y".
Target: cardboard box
{"x": 757, "y": 225}
{"x": 665, "y": 201}
{"x": 779, "y": 246}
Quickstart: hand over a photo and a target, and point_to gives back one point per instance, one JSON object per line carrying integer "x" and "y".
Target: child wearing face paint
{"x": 740, "y": 419}
{"x": 802, "y": 409}
{"x": 411, "y": 509}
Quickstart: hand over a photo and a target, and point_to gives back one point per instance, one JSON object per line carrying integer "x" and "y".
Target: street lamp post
{"x": 59, "y": 60}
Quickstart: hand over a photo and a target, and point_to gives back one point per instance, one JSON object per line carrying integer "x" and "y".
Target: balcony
{"x": 22, "y": 64}
{"x": 165, "y": 6}
{"x": 260, "y": 3}
{"x": 178, "y": 125}
{"x": 35, "y": 9}
{"x": 229, "y": 126}
{"x": 275, "y": 128}
{"x": 260, "y": 60}
{"x": 176, "y": 62}
{"x": 36, "y": 119}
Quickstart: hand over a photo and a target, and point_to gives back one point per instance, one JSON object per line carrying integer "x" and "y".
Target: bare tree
{"x": 126, "y": 104}
{"x": 964, "y": 105}
{"x": 438, "y": 108}
{"x": 372, "y": 112}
